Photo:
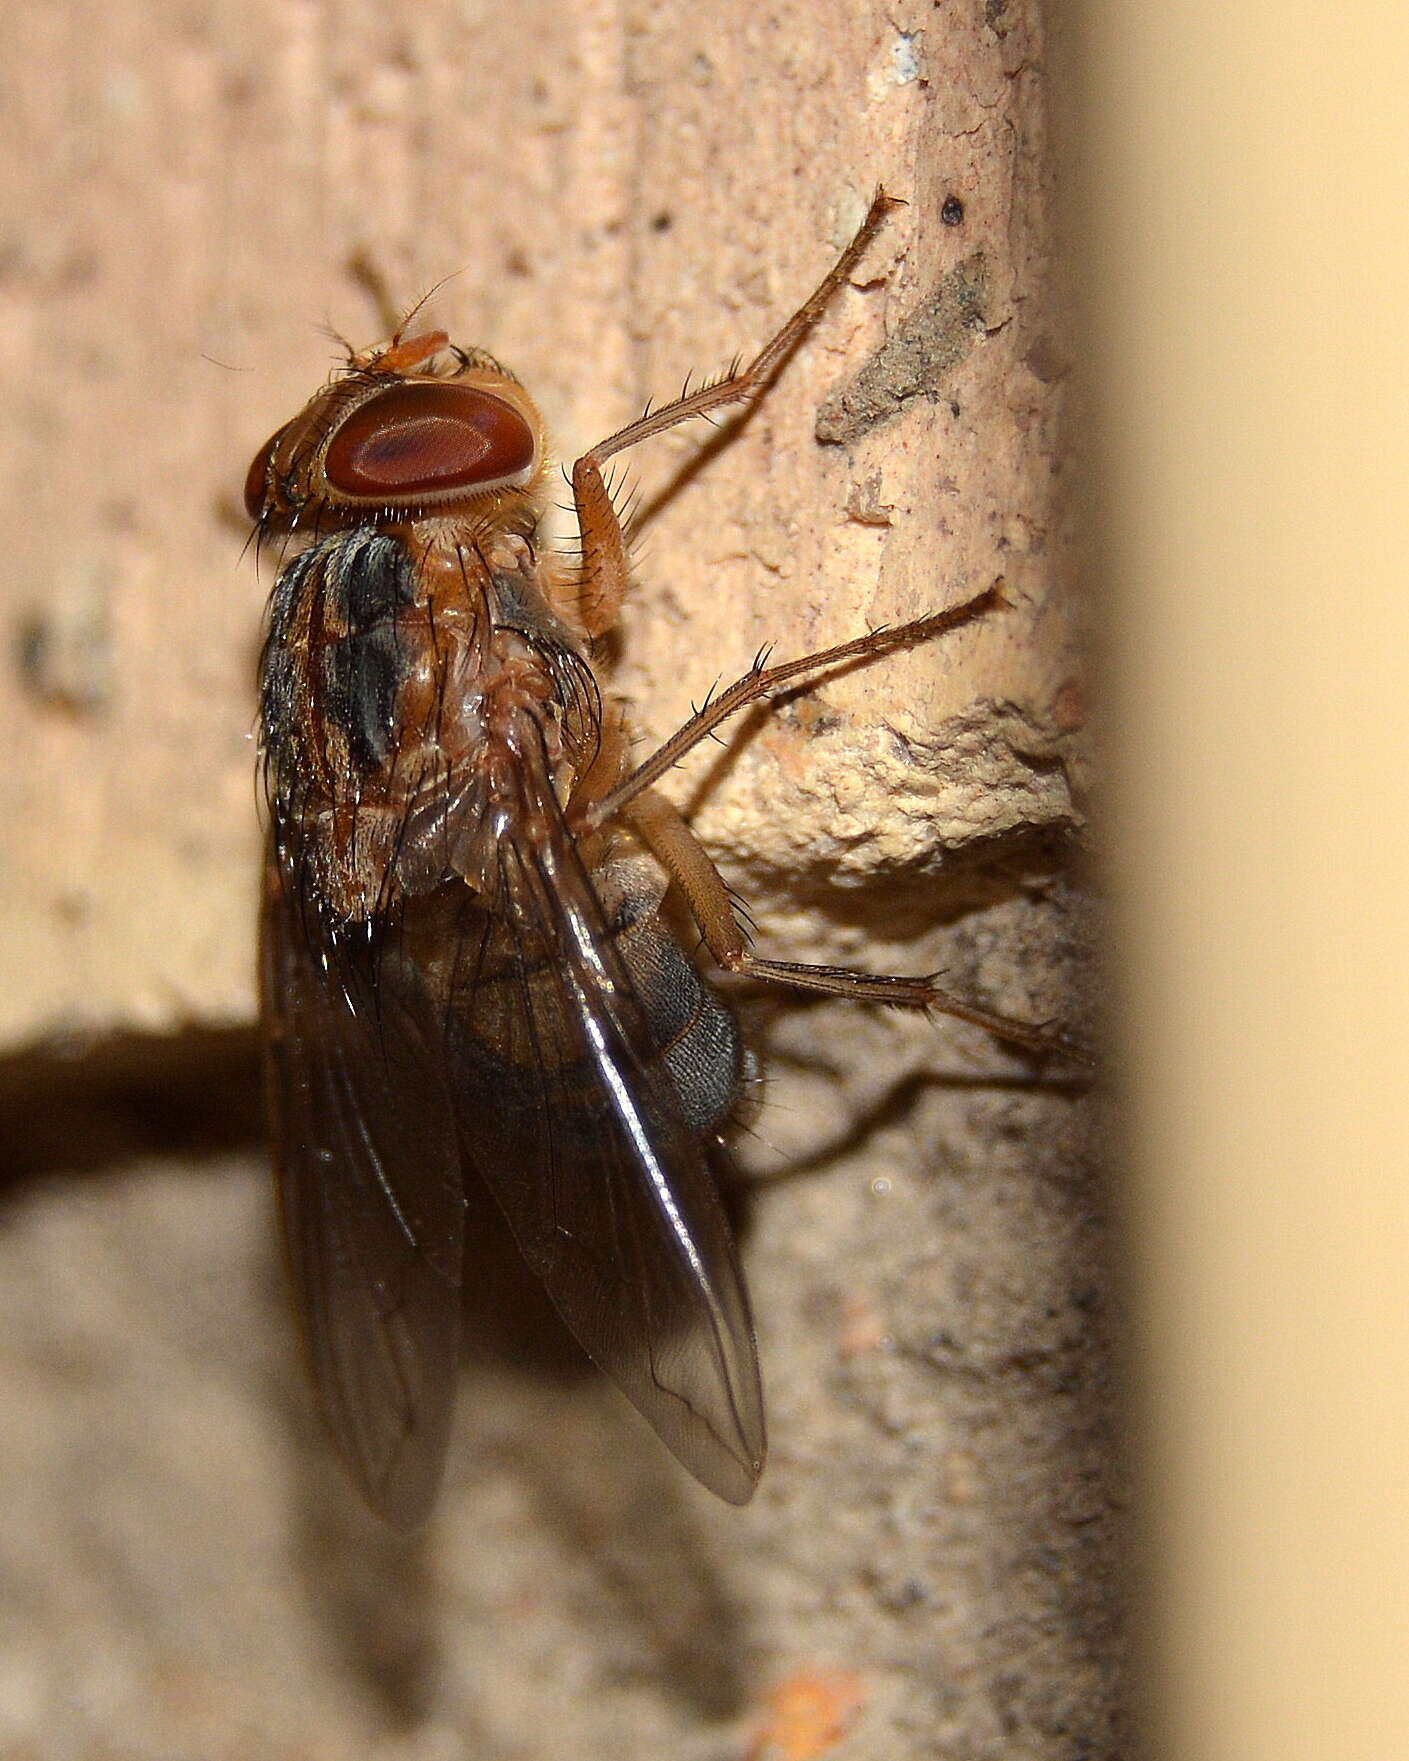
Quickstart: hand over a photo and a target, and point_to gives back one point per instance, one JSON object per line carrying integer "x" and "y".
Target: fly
{"x": 465, "y": 967}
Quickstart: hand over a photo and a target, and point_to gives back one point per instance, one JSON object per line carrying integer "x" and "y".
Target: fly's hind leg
{"x": 663, "y": 830}
{"x": 605, "y": 568}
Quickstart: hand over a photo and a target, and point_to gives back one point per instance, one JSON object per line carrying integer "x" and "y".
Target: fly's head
{"x": 413, "y": 429}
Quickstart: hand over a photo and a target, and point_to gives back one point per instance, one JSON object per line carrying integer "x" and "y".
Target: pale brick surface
{"x": 629, "y": 191}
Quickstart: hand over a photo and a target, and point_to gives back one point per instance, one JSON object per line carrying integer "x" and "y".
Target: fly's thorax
{"x": 408, "y": 678}
{"x": 336, "y": 659}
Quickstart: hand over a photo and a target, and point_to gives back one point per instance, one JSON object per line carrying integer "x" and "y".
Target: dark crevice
{"x": 906, "y": 901}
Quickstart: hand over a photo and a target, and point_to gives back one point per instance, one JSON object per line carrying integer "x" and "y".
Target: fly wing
{"x": 569, "y": 1114}
{"x": 371, "y": 1193}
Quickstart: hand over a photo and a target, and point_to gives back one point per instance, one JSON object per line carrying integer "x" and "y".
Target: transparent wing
{"x": 369, "y": 1178}
{"x": 568, "y": 1113}
{"x": 516, "y": 1032}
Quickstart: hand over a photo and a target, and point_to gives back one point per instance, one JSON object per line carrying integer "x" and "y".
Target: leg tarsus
{"x": 741, "y": 384}
{"x": 912, "y": 993}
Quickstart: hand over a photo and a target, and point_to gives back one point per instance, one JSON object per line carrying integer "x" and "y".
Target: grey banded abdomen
{"x": 695, "y": 1033}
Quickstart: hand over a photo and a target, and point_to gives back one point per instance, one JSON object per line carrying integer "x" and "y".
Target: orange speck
{"x": 807, "y": 1714}
{"x": 862, "y": 1330}
{"x": 1071, "y": 706}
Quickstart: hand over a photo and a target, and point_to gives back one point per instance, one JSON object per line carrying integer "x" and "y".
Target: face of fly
{"x": 414, "y": 428}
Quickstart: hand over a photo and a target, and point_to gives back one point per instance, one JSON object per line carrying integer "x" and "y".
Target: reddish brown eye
{"x": 418, "y": 440}
{"x": 258, "y": 477}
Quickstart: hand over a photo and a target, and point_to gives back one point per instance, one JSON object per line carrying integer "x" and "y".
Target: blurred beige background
{"x": 1242, "y": 207}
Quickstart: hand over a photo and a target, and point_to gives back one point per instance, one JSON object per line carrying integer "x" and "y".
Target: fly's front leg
{"x": 606, "y": 567}
{"x": 663, "y": 830}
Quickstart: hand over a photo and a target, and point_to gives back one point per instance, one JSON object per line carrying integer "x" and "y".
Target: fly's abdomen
{"x": 518, "y": 1041}
{"x": 696, "y": 1036}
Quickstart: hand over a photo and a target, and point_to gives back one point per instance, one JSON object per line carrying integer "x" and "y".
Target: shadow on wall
{"x": 551, "y": 1476}
{"x": 192, "y": 1095}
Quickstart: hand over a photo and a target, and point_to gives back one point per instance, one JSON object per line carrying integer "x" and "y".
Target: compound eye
{"x": 257, "y": 480}
{"x": 414, "y": 441}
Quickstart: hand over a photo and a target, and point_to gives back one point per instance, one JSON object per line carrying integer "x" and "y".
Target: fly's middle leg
{"x": 763, "y": 682}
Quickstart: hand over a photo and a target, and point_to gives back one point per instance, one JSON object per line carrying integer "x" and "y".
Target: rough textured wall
{"x": 627, "y": 192}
